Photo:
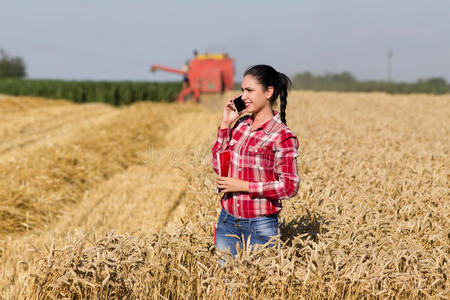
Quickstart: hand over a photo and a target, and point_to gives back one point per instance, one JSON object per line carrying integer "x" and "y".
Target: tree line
{"x": 345, "y": 81}
{"x": 112, "y": 92}
{"x": 11, "y": 66}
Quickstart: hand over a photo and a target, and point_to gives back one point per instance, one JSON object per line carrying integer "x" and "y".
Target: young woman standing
{"x": 263, "y": 167}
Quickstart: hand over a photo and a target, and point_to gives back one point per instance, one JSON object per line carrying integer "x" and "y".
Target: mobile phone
{"x": 239, "y": 104}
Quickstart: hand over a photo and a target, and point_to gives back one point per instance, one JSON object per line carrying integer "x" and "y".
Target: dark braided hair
{"x": 268, "y": 76}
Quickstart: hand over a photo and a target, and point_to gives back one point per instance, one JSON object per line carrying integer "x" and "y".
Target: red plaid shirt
{"x": 267, "y": 158}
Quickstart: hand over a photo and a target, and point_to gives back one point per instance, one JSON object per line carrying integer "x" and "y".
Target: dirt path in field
{"x": 145, "y": 197}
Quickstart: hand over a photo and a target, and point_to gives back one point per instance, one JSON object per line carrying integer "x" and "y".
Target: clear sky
{"x": 119, "y": 40}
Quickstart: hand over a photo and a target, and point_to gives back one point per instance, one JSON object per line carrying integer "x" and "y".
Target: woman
{"x": 263, "y": 168}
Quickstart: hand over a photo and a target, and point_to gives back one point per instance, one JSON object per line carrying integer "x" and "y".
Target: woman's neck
{"x": 262, "y": 116}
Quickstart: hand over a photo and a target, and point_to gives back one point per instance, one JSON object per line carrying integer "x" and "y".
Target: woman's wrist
{"x": 224, "y": 125}
{"x": 245, "y": 186}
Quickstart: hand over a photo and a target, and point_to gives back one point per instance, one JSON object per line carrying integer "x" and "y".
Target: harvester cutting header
{"x": 205, "y": 73}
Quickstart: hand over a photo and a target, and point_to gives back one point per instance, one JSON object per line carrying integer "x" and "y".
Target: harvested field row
{"x": 47, "y": 118}
{"x": 53, "y": 131}
{"x": 11, "y": 105}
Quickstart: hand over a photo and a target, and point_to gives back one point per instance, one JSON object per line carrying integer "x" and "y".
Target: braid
{"x": 284, "y": 85}
{"x": 283, "y": 103}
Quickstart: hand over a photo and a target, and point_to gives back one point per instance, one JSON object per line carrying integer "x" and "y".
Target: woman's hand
{"x": 229, "y": 184}
{"x": 229, "y": 114}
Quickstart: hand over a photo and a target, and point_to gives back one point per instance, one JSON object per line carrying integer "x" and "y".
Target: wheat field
{"x": 103, "y": 202}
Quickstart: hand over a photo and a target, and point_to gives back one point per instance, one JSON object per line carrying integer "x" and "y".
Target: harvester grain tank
{"x": 206, "y": 73}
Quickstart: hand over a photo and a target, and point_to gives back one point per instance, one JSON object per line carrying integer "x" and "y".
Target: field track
{"x": 373, "y": 197}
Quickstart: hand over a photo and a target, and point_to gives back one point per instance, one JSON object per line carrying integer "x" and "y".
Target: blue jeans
{"x": 259, "y": 229}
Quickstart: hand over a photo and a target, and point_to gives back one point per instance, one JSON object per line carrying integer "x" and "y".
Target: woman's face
{"x": 254, "y": 95}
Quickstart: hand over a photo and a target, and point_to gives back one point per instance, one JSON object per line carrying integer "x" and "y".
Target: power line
{"x": 389, "y": 70}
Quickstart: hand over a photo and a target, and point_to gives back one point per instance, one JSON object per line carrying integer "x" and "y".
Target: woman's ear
{"x": 269, "y": 92}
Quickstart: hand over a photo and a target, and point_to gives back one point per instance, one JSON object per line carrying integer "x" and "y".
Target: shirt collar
{"x": 268, "y": 126}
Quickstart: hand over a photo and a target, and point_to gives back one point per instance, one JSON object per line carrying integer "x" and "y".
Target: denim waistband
{"x": 241, "y": 220}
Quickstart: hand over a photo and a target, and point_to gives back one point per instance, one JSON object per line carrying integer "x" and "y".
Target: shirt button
{"x": 237, "y": 205}
{"x": 240, "y": 169}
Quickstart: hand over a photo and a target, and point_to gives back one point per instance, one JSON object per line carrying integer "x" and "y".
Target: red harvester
{"x": 206, "y": 73}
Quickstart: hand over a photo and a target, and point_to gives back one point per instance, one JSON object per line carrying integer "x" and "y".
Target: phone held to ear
{"x": 239, "y": 104}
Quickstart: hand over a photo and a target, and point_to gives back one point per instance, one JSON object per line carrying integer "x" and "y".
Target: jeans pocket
{"x": 264, "y": 230}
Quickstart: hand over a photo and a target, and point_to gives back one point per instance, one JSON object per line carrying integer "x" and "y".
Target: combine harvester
{"x": 206, "y": 73}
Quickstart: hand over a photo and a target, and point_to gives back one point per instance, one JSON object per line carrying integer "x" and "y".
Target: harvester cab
{"x": 206, "y": 73}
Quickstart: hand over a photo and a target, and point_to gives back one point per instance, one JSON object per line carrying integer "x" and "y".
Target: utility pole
{"x": 389, "y": 56}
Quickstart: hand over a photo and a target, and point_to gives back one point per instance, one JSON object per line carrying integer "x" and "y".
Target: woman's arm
{"x": 285, "y": 166}
{"x": 229, "y": 115}
{"x": 230, "y": 184}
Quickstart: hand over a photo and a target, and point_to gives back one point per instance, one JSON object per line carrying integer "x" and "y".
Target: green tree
{"x": 11, "y": 66}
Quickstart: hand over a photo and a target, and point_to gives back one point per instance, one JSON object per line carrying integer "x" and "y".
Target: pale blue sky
{"x": 119, "y": 40}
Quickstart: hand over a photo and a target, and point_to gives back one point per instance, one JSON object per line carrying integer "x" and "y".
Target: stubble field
{"x": 105, "y": 202}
